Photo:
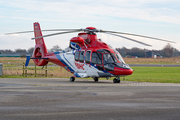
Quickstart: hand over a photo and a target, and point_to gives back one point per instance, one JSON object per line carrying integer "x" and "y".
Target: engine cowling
{"x": 78, "y": 40}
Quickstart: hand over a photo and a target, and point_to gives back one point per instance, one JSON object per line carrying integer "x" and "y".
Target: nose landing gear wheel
{"x": 72, "y": 79}
{"x": 116, "y": 80}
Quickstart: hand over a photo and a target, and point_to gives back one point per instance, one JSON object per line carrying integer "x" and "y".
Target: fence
{"x": 22, "y": 70}
{"x": 35, "y": 69}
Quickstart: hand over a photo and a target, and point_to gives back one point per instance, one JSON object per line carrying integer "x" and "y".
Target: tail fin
{"x": 39, "y": 41}
{"x": 38, "y": 33}
{"x": 40, "y": 49}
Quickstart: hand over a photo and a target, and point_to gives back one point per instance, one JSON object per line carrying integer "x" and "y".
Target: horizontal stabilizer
{"x": 28, "y": 59}
{"x": 38, "y": 58}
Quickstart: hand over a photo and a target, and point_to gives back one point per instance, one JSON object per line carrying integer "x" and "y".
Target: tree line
{"x": 30, "y": 50}
{"x": 167, "y": 51}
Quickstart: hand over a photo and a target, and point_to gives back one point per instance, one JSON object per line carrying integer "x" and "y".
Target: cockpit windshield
{"x": 108, "y": 57}
{"x": 119, "y": 57}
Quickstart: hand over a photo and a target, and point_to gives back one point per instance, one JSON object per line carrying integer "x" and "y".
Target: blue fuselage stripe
{"x": 59, "y": 58}
{"x": 68, "y": 61}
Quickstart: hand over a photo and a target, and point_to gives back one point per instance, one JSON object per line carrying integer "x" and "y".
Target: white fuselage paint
{"x": 80, "y": 68}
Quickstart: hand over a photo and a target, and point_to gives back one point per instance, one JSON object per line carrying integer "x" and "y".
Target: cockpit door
{"x": 91, "y": 60}
{"x": 97, "y": 60}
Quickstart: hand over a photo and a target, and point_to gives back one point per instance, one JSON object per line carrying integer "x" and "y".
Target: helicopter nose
{"x": 122, "y": 71}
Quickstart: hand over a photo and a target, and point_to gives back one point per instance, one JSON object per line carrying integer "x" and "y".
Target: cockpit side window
{"x": 109, "y": 58}
{"x": 88, "y": 54}
{"x": 81, "y": 57}
{"x": 96, "y": 58}
{"x": 77, "y": 56}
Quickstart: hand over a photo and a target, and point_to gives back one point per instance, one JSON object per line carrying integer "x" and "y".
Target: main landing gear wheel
{"x": 116, "y": 80}
{"x": 96, "y": 79}
{"x": 72, "y": 79}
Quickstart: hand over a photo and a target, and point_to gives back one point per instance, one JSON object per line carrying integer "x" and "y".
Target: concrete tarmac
{"x": 57, "y": 98}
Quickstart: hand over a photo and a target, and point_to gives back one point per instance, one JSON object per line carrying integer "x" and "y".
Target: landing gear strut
{"x": 72, "y": 79}
{"x": 116, "y": 80}
{"x": 96, "y": 79}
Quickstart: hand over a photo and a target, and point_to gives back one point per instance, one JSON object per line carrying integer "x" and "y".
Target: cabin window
{"x": 77, "y": 56}
{"x": 88, "y": 54}
{"x": 81, "y": 57}
{"x": 96, "y": 58}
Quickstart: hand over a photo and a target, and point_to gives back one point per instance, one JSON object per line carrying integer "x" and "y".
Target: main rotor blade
{"x": 20, "y": 32}
{"x": 129, "y": 39}
{"x": 42, "y": 30}
{"x": 137, "y": 35}
{"x": 56, "y": 34}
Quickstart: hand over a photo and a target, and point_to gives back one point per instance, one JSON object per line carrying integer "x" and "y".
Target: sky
{"x": 155, "y": 18}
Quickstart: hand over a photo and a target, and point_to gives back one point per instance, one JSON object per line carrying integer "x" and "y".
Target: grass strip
{"x": 155, "y": 74}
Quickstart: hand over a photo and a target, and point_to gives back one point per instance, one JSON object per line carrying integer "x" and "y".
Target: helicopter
{"x": 86, "y": 56}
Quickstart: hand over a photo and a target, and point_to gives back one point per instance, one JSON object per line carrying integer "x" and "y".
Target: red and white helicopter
{"x": 87, "y": 55}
